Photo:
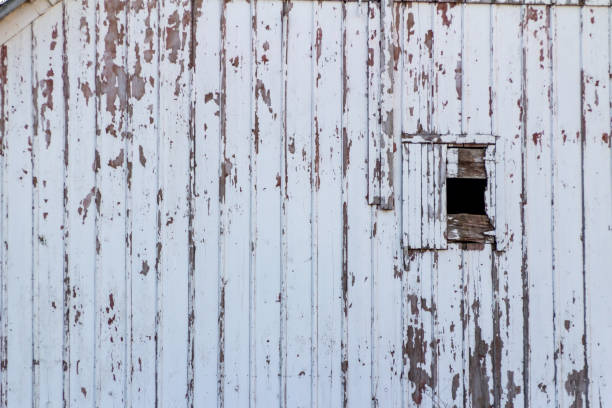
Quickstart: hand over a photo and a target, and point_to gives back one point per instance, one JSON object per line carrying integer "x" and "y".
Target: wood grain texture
{"x": 186, "y": 213}
{"x": 48, "y": 150}
{"x": 469, "y": 228}
{"x": 18, "y": 222}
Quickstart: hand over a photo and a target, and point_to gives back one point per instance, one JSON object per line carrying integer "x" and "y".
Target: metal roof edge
{"x": 9, "y": 6}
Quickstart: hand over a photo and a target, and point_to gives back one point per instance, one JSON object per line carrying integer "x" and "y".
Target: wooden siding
{"x": 185, "y": 220}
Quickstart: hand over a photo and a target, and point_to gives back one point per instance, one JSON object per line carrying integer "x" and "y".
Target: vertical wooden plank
{"x": 478, "y": 320}
{"x": 235, "y": 229}
{"x": 567, "y": 208}
{"x": 329, "y": 119}
{"x": 427, "y": 199}
{"x": 357, "y": 214}
{"x": 490, "y": 189}
{"x": 405, "y": 198}
{"x": 173, "y": 199}
{"x": 477, "y": 278}
{"x": 448, "y": 298}
{"x": 409, "y": 86}
{"x": 389, "y": 65}
{"x": 476, "y": 85}
{"x": 425, "y": 40}
{"x": 447, "y": 68}
{"x": 508, "y": 114}
{"x": 418, "y": 349}
{"x": 111, "y": 308}
{"x": 17, "y": 213}
{"x": 142, "y": 160}
{"x": 297, "y": 207}
{"x": 83, "y": 197}
{"x": 417, "y": 68}
{"x": 48, "y": 179}
{"x": 597, "y": 199}
{"x": 413, "y": 198}
{"x": 207, "y": 131}
{"x": 266, "y": 202}
{"x": 538, "y": 210}
{"x": 374, "y": 66}
{"x": 387, "y": 275}
{"x": 3, "y": 272}
{"x": 447, "y": 285}
{"x": 439, "y": 196}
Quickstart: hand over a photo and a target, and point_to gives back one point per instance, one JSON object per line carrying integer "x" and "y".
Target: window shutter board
{"x": 374, "y": 64}
{"x": 501, "y": 201}
{"x": 412, "y": 196}
{"x": 424, "y": 192}
{"x": 489, "y": 164}
{"x": 440, "y": 196}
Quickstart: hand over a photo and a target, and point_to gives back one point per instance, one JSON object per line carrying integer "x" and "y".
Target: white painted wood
{"x": 409, "y": 85}
{"x": 387, "y": 262}
{"x": 275, "y": 282}
{"x": 427, "y": 196}
{"x": 597, "y": 217}
{"x": 424, "y": 196}
{"x": 48, "y": 204}
{"x": 235, "y": 256}
{"x": 412, "y": 202}
{"x": 374, "y": 67}
{"x": 173, "y": 205}
{"x": 329, "y": 124}
{"x": 405, "y": 200}
{"x": 448, "y": 299}
{"x": 110, "y": 332}
{"x": 440, "y": 175}
{"x": 478, "y": 301}
{"x": 206, "y": 279}
{"x": 567, "y": 208}
{"x": 447, "y": 284}
{"x": 538, "y": 210}
{"x": 507, "y": 123}
{"x": 448, "y": 33}
{"x": 425, "y": 41}
{"x": 478, "y": 319}
{"x": 18, "y": 221}
{"x": 490, "y": 191}
{"x": 142, "y": 184}
{"x": 388, "y": 73}
{"x": 358, "y": 214}
{"x": 476, "y": 86}
{"x": 267, "y": 203}
{"x": 82, "y": 199}
{"x": 297, "y": 234}
{"x": 3, "y": 268}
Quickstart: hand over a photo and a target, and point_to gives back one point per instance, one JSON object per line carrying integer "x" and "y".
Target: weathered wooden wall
{"x": 185, "y": 221}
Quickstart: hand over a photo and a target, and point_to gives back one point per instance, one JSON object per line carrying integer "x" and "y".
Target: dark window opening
{"x": 465, "y": 196}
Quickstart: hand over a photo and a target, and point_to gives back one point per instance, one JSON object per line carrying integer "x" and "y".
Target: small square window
{"x": 448, "y": 191}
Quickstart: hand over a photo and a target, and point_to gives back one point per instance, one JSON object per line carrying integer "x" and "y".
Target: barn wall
{"x": 185, "y": 218}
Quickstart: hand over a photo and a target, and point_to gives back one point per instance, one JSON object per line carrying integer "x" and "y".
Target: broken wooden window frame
{"x": 428, "y": 160}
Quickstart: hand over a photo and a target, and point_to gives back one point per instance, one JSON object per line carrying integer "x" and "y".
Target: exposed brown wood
{"x": 469, "y": 228}
{"x": 467, "y": 163}
{"x": 451, "y": 138}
